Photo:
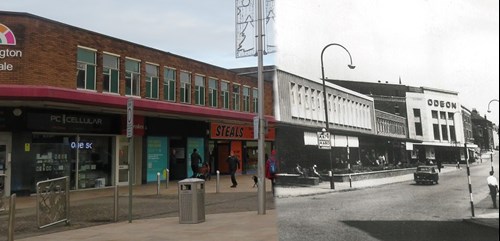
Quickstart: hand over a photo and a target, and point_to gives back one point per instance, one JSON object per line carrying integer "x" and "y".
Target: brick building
{"x": 63, "y": 99}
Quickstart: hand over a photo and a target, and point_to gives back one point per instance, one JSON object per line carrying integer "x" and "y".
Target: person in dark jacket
{"x": 195, "y": 161}
{"x": 272, "y": 169}
{"x": 234, "y": 164}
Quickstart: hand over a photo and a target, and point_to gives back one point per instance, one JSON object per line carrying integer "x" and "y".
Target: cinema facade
{"x": 63, "y": 101}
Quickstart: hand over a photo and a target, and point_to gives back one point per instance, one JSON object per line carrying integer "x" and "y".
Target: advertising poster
{"x": 157, "y": 157}
{"x": 194, "y": 143}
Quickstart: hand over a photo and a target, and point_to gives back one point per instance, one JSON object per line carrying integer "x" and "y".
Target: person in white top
{"x": 493, "y": 185}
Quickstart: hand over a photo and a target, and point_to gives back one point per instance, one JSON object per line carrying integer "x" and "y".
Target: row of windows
{"x": 390, "y": 127}
{"x": 239, "y": 96}
{"x": 307, "y": 103}
{"x": 443, "y": 127}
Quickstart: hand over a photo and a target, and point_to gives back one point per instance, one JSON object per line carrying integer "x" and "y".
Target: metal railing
{"x": 52, "y": 202}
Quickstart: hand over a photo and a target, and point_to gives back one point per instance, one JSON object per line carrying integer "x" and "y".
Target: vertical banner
{"x": 236, "y": 147}
{"x": 157, "y": 157}
{"x": 194, "y": 143}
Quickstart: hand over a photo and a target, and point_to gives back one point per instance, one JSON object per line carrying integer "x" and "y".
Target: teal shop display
{"x": 157, "y": 157}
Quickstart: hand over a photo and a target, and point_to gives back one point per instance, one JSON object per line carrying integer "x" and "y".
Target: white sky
{"x": 445, "y": 44}
{"x": 203, "y": 30}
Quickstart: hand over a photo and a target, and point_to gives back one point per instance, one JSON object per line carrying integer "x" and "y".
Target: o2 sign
{"x": 81, "y": 145}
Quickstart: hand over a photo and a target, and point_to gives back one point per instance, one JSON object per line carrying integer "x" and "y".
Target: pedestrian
{"x": 195, "y": 160}
{"x": 439, "y": 165}
{"x": 234, "y": 164}
{"x": 493, "y": 185}
{"x": 272, "y": 169}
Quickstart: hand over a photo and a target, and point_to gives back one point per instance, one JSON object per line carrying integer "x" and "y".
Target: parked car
{"x": 426, "y": 174}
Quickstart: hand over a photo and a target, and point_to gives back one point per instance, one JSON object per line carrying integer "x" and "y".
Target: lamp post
{"x": 491, "y": 155}
{"x": 325, "y": 102}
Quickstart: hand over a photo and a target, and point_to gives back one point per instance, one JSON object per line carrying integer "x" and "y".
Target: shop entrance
{"x": 4, "y": 164}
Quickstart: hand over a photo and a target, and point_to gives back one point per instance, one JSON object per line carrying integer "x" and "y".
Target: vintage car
{"x": 426, "y": 174}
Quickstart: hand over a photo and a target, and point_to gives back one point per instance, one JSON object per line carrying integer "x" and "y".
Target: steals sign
{"x": 324, "y": 141}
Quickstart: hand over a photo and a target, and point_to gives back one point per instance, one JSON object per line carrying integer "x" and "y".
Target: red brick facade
{"x": 49, "y": 58}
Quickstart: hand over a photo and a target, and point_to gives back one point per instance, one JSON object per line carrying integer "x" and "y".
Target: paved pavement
{"x": 235, "y": 225}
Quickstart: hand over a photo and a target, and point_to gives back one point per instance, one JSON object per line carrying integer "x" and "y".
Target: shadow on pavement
{"x": 425, "y": 230}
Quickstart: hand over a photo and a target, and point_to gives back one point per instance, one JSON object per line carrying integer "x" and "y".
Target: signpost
{"x": 324, "y": 141}
{"x": 130, "y": 135}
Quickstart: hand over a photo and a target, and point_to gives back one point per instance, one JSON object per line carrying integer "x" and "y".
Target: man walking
{"x": 195, "y": 160}
{"x": 234, "y": 164}
{"x": 493, "y": 185}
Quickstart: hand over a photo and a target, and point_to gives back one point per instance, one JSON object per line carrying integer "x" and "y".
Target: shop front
{"x": 239, "y": 139}
{"x": 51, "y": 144}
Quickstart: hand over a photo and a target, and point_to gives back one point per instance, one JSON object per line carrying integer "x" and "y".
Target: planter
{"x": 295, "y": 180}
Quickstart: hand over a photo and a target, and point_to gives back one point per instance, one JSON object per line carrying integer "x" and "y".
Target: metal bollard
{"x": 167, "y": 177}
{"x": 158, "y": 183}
{"x": 350, "y": 181}
{"x": 332, "y": 184}
{"x": 12, "y": 214}
{"x": 491, "y": 158}
{"x": 217, "y": 190}
{"x": 116, "y": 204}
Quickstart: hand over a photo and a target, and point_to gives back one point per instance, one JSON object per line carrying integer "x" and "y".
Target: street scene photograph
{"x": 249, "y": 120}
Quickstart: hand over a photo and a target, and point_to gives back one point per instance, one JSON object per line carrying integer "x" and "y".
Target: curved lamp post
{"x": 489, "y": 111}
{"x": 351, "y": 66}
{"x": 491, "y": 155}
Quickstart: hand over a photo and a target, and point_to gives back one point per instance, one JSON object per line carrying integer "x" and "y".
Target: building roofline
{"x": 33, "y": 16}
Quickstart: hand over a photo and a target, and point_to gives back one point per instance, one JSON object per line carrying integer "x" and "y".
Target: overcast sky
{"x": 445, "y": 44}
{"x": 203, "y": 30}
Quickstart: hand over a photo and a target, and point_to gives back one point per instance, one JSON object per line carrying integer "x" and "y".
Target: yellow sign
{"x": 27, "y": 147}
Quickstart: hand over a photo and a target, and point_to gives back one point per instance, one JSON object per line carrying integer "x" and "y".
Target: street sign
{"x": 324, "y": 141}
{"x": 130, "y": 118}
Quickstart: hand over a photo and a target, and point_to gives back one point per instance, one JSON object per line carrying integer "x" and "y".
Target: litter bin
{"x": 191, "y": 200}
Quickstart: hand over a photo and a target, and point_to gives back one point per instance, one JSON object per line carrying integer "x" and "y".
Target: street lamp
{"x": 491, "y": 154}
{"x": 351, "y": 66}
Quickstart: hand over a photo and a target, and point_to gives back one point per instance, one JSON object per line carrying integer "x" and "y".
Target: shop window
{"x": 255, "y": 100}
{"x": 224, "y": 92}
{"x": 152, "y": 81}
{"x": 132, "y": 77}
{"x": 111, "y": 66}
{"x": 213, "y": 92}
{"x": 246, "y": 99}
{"x": 86, "y": 69}
{"x": 236, "y": 97}
{"x": 199, "y": 90}
{"x": 185, "y": 87}
{"x": 169, "y": 77}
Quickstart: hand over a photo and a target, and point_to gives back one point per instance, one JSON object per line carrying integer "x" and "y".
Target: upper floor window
{"x": 416, "y": 112}
{"x": 236, "y": 97}
{"x": 132, "y": 77}
{"x": 152, "y": 79}
{"x": 213, "y": 92}
{"x": 111, "y": 66}
{"x": 442, "y": 115}
{"x": 86, "y": 68}
{"x": 434, "y": 114}
{"x": 169, "y": 77}
{"x": 255, "y": 100}
{"x": 185, "y": 87}
{"x": 199, "y": 90}
{"x": 224, "y": 92}
{"x": 246, "y": 99}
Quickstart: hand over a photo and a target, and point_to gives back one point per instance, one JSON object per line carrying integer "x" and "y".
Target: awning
{"x": 311, "y": 139}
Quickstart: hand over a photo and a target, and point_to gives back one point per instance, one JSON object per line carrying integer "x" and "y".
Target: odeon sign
{"x": 7, "y": 38}
{"x": 442, "y": 104}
